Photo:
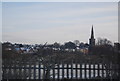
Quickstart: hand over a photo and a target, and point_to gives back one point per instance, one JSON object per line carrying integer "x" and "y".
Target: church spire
{"x": 92, "y": 33}
{"x": 92, "y": 39}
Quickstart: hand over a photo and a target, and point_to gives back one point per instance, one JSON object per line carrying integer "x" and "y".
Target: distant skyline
{"x": 37, "y": 23}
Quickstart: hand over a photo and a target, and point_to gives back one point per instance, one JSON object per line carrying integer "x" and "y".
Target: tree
{"x": 77, "y": 42}
{"x": 56, "y": 45}
{"x": 70, "y": 45}
{"x": 106, "y": 54}
{"x": 105, "y": 50}
{"x": 103, "y": 41}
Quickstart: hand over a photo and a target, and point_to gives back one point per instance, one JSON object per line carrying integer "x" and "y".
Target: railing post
{"x": 9, "y": 72}
{"x": 102, "y": 71}
{"x": 29, "y": 70}
{"x": 72, "y": 70}
{"x": 67, "y": 70}
{"x": 94, "y": 70}
{"x": 85, "y": 71}
{"x": 14, "y": 70}
{"x": 62, "y": 70}
{"x": 81, "y": 69}
{"x": 89, "y": 70}
{"x": 98, "y": 67}
{"x": 44, "y": 72}
{"x": 20, "y": 70}
{"x": 3, "y": 70}
{"x": 17, "y": 69}
{"x": 34, "y": 71}
{"x": 58, "y": 70}
{"x": 24, "y": 71}
{"x": 39, "y": 72}
{"x": 54, "y": 73}
{"x": 76, "y": 69}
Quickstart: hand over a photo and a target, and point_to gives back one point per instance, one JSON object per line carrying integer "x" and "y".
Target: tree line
{"x": 102, "y": 51}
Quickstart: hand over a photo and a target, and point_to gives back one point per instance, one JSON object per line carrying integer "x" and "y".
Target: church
{"x": 91, "y": 44}
{"x": 91, "y": 41}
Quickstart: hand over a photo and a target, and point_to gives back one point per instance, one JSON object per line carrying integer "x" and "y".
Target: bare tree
{"x": 49, "y": 62}
{"x": 103, "y": 41}
{"x": 77, "y": 42}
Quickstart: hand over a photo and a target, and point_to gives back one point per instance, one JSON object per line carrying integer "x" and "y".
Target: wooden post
{"x": 76, "y": 69}
{"x": 54, "y": 73}
{"x": 58, "y": 71}
{"x": 24, "y": 71}
{"x": 80, "y": 70}
{"x": 3, "y": 70}
{"x": 39, "y": 72}
{"x": 98, "y": 67}
{"x": 17, "y": 70}
{"x": 107, "y": 70}
{"x": 85, "y": 71}
{"x": 72, "y": 70}
{"x": 20, "y": 70}
{"x": 34, "y": 72}
{"x": 62, "y": 70}
{"x": 29, "y": 70}
{"x": 44, "y": 72}
{"x": 102, "y": 71}
{"x": 94, "y": 73}
{"x": 89, "y": 71}
{"x": 67, "y": 70}
{"x": 14, "y": 75}
{"x": 9, "y": 72}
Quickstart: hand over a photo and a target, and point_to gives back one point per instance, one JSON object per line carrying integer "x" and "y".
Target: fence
{"x": 26, "y": 70}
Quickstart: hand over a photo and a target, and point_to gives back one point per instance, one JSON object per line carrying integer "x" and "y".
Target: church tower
{"x": 91, "y": 40}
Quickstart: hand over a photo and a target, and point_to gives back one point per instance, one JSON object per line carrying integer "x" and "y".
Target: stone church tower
{"x": 91, "y": 40}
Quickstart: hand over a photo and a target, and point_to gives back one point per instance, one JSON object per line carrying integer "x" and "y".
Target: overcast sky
{"x": 36, "y": 23}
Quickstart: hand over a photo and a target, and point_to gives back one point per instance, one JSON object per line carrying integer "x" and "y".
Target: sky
{"x": 40, "y": 22}
{"x": 60, "y": 0}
